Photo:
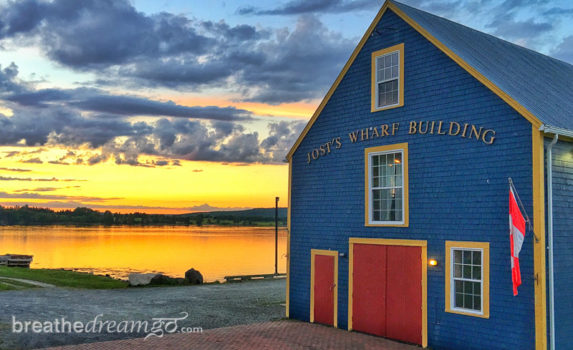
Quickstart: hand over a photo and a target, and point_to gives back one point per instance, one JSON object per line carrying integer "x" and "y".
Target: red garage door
{"x": 387, "y": 291}
{"x": 324, "y": 291}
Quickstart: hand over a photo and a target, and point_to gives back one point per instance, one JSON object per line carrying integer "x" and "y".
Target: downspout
{"x": 550, "y": 239}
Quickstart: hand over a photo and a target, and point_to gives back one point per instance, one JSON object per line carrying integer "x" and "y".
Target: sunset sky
{"x": 178, "y": 106}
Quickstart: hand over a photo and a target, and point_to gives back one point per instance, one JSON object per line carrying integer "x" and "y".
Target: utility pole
{"x": 276, "y": 235}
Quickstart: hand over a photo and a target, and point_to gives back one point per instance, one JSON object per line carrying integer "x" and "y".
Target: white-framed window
{"x": 467, "y": 274}
{"x": 388, "y": 78}
{"x": 467, "y": 289}
{"x": 386, "y": 169}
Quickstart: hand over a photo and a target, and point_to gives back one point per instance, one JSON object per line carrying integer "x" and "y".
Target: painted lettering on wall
{"x": 487, "y": 136}
{"x": 324, "y": 149}
{"x": 415, "y": 127}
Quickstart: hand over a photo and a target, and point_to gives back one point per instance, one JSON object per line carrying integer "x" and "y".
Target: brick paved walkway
{"x": 268, "y": 335}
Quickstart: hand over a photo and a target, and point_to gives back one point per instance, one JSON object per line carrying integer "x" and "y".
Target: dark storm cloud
{"x": 134, "y": 49}
{"x": 63, "y": 126}
{"x": 8, "y": 77}
{"x": 97, "y": 33}
{"x": 136, "y": 106}
{"x": 124, "y": 141}
{"x": 114, "y": 106}
{"x": 297, "y": 7}
{"x": 77, "y": 33}
{"x": 300, "y": 64}
{"x": 38, "y": 98}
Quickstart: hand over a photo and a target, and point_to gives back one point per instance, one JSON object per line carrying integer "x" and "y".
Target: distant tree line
{"x": 26, "y": 215}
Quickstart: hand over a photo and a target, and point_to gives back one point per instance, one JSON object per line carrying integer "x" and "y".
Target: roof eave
{"x": 549, "y": 129}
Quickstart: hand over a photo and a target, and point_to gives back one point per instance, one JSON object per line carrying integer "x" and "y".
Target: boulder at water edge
{"x": 194, "y": 277}
{"x": 166, "y": 280}
{"x": 140, "y": 279}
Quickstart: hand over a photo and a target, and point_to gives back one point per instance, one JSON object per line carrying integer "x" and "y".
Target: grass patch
{"x": 4, "y": 286}
{"x": 62, "y": 278}
{"x": 9, "y": 284}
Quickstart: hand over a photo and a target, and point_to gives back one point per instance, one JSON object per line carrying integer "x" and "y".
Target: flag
{"x": 516, "y": 236}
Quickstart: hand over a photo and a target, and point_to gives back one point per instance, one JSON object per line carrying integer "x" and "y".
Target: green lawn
{"x": 60, "y": 278}
{"x": 7, "y": 284}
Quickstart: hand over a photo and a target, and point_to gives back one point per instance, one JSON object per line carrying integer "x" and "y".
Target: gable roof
{"x": 538, "y": 87}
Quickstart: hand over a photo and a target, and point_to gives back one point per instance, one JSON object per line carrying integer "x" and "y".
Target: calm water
{"x": 215, "y": 251}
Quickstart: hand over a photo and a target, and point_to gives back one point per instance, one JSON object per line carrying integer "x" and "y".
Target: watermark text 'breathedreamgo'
{"x": 157, "y": 327}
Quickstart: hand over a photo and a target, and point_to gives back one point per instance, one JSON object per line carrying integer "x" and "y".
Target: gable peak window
{"x": 388, "y": 78}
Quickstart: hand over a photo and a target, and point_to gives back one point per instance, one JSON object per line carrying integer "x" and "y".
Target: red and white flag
{"x": 516, "y": 236}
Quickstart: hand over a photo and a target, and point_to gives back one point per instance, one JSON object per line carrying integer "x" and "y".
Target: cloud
{"x": 507, "y": 27}
{"x": 39, "y": 189}
{"x": 124, "y": 141}
{"x": 558, "y": 11}
{"x": 17, "y": 170}
{"x": 33, "y": 161}
{"x": 564, "y": 50}
{"x": 53, "y": 179}
{"x": 177, "y": 52}
{"x": 11, "y": 154}
{"x": 297, "y": 7}
{"x": 62, "y": 126}
{"x": 300, "y": 65}
{"x": 76, "y": 33}
{"x": 281, "y": 138}
{"x": 58, "y": 162}
{"x": 136, "y": 106}
{"x": 114, "y": 106}
{"x": 30, "y": 195}
{"x": 8, "y": 78}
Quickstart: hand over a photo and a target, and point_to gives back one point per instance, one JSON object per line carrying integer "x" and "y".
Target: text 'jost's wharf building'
{"x": 407, "y": 161}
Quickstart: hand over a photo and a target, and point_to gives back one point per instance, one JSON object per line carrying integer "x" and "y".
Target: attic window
{"x": 388, "y": 78}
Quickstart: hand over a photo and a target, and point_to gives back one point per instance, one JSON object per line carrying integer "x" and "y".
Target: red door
{"x": 324, "y": 289}
{"x": 387, "y": 291}
{"x": 369, "y": 290}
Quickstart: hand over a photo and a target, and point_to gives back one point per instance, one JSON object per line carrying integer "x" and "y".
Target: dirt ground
{"x": 207, "y": 306}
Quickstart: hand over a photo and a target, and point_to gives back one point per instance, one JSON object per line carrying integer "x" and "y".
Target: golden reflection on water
{"x": 119, "y": 250}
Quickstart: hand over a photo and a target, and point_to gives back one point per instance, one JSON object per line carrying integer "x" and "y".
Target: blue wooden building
{"x": 398, "y": 191}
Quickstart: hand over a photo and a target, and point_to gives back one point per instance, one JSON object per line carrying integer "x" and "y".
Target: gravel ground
{"x": 207, "y": 306}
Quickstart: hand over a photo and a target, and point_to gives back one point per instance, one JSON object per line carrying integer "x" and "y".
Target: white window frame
{"x": 453, "y": 281}
{"x": 370, "y": 188}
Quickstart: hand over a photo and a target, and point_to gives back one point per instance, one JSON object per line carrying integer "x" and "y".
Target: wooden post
{"x": 276, "y": 235}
